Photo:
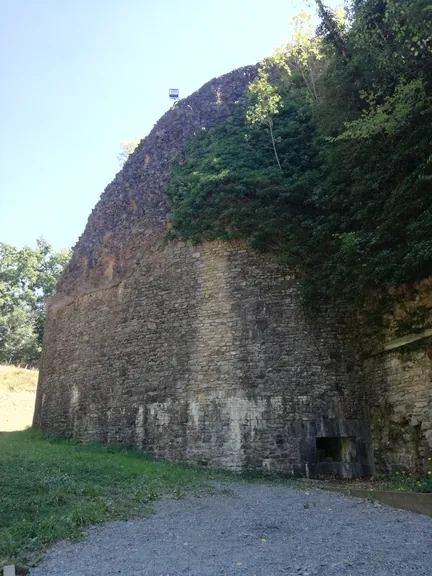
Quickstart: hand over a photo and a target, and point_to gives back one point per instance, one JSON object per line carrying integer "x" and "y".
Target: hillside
{"x": 17, "y": 397}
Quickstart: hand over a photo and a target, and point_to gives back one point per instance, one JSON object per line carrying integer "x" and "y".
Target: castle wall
{"x": 204, "y": 354}
{"x": 399, "y": 382}
{"x": 401, "y": 409}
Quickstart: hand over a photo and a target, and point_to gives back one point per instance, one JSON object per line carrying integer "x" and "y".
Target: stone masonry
{"x": 203, "y": 354}
{"x": 199, "y": 353}
{"x": 400, "y": 386}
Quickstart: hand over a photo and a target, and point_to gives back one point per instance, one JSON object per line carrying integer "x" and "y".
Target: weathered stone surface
{"x": 130, "y": 219}
{"x": 203, "y": 352}
{"x": 205, "y": 358}
{"x": 400, "y": 400}
{"x": 399, "y": 384}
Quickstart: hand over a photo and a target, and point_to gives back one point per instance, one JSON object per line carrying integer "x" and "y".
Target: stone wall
{"x": 401, "y": 409}
{"x": 130, "y": 218}
{"x": 199, "y": 353}
{"x": 399, "y": 384}
{"x": 204, "y": 354}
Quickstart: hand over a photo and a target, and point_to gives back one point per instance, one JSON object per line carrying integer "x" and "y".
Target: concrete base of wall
{"x": 411, "y": 501}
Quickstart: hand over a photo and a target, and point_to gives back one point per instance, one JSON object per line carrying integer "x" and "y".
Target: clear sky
{"x": 79, "y": 76}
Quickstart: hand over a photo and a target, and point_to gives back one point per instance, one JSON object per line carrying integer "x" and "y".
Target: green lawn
{"x": 52, "y": 489}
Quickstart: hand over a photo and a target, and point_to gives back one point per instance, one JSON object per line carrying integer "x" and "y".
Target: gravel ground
{"x": 254, "y": 530}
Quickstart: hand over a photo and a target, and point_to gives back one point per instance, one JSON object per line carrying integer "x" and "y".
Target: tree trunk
{"x": 332, "y": 29}
{"x": 274, "y": 145}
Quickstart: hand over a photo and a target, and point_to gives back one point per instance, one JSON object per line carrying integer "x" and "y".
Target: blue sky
{"x": 79, "y": 76}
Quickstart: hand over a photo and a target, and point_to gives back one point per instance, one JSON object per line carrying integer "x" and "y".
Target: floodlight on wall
{"x": 173, "y": 93}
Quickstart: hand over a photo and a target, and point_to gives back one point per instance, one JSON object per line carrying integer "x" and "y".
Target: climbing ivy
{"x": 350, "y": 130}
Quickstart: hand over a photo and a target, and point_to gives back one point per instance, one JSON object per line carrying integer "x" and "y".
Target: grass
{"x": 398, "y": 482}
{"x": 406, "y": 482}
{"x": 15, "y": 379}
{"x": 52, "y": 489}
{"x": 17, "y": 397}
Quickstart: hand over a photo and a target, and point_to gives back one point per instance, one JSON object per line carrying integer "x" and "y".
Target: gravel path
{"x": 254, "y": 530}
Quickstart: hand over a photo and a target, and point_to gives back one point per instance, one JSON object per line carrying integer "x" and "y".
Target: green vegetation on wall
{"x": 327, "y": 163}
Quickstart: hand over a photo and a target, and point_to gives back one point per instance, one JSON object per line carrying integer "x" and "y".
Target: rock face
{"x": 399, "y": 385}
{"x": 401, "y": 410}
{"x": 202, "y": 352}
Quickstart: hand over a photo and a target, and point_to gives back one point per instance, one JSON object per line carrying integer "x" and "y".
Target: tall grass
{"x": 51, "y": 489}
{"x": 15, "y": 379}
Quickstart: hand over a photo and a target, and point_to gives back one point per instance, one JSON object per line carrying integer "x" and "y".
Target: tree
{"x": 332, "y": 26}
{"x": 18, "y": 340}
{"x": 266, "y": 103}
{"x": 411, "y": 22}
{"x": 126, "y": 149}
{"x": 349, "y": 113}
{"x": 27, "y": 277}
{"x": 302, "y": 55}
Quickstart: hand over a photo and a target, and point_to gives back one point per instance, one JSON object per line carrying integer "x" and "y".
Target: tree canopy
{"x": 27, "y": 277}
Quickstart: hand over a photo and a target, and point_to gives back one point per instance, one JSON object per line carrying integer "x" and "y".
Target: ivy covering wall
{"x": 327, "y": 161}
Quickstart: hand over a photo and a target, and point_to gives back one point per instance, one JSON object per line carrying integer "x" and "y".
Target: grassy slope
{"x": 50, "y": 490}
{"x": 14, "y": 379}
{"x": 17, "y": 397}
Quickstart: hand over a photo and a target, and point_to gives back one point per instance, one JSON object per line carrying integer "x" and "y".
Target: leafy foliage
{"x": 303, "y": 55}
{"x": 350, "y": 111}
{"x": 406, "y": 482}
{"x": 267, "y": 103}
{"x": 27, "y": 277}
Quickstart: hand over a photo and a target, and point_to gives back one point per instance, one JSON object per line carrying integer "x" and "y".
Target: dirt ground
{"x": 16, "y": 409}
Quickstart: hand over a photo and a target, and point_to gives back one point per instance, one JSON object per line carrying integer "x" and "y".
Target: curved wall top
{"x": 195, "y": 352}
{"x": 132, "y": 210}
